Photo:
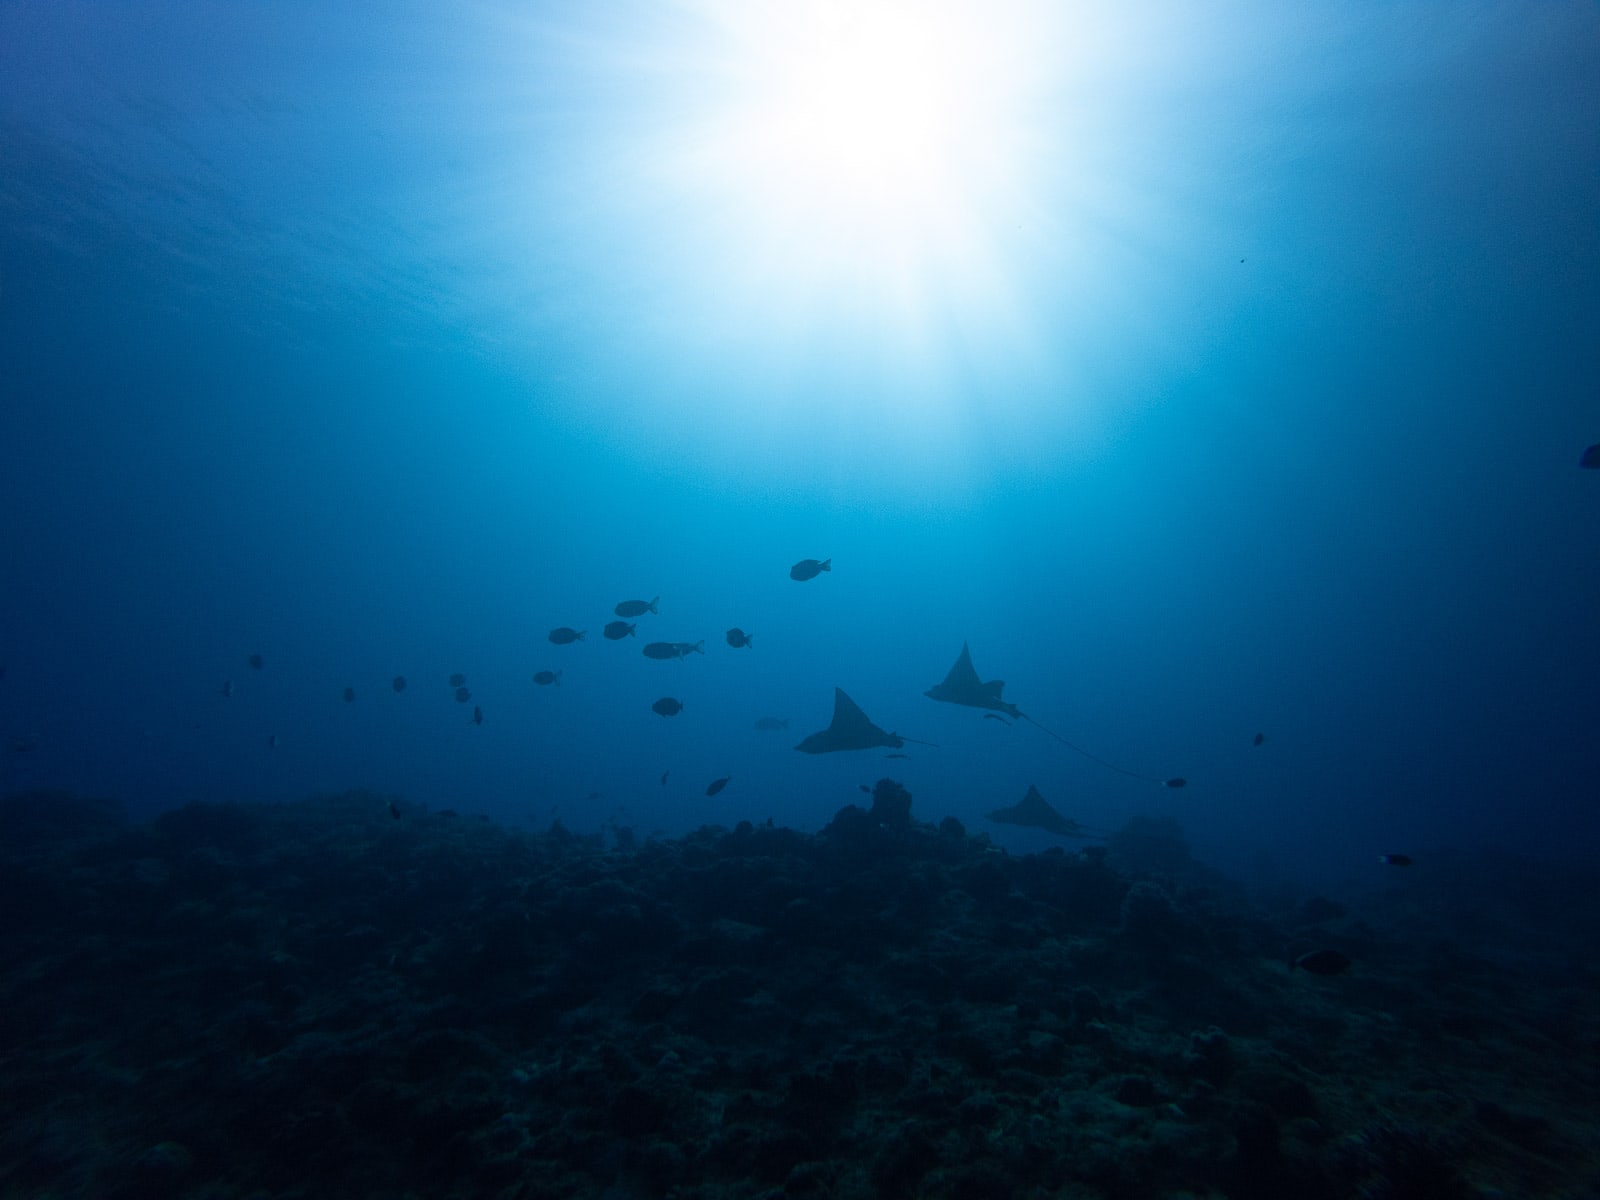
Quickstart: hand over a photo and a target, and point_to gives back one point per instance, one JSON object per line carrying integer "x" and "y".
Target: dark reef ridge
{"x": 350, "y": 997}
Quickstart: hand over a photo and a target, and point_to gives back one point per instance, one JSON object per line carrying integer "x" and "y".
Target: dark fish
{"x": 256, "y": 662}
{"x": 666, "y": 650}
{"x": 616, "y": 630}
{"x": 477, "y": 715}
{"x": 272, "y": 742}
{"x": 462, "y": 695}
{"x": 563, "y": 636}
{"x": 1322, "y": 962}
{"x": 995, "y": 717}
{"x": 1591, "y": 457}
{"x": 772, "y": 724}
{"x": 457, "y": 679}
{"x": 1177, "y": 781}
{"x": 897, "y": 756}
{"x": 1395, "y": 860}
{"x": 667, "y": 707}
{"x": 738, "y": 638}
{"x": 394, "y": 810}
{"x": 349, "y": 695}
{"x": 399, "y": 684}
{"x": 636, "y": 608}
{"x": 864, "y": 788}
{"x": 1259, "y": 738}
{"x": 664, "y": 775}
{"x": 23, "y": 743}
{"x": 545, "y": 678}
{"x": 809, "y": 568}
{"x": 716, "y": 785}
{"x": 227, "y": 688}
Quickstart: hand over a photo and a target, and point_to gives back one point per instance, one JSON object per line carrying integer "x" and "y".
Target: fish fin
{"x": 827, "y": 564}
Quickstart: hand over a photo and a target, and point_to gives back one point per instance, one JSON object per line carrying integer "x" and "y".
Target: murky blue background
{"x": 381, "y": 341}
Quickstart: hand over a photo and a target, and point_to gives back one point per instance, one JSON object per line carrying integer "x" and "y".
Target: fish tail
{"x": 653, "y": 603}
{"x": 827, "y": 564}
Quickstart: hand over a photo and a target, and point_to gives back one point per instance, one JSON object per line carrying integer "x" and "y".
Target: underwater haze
{"x": 1209, "y": 371}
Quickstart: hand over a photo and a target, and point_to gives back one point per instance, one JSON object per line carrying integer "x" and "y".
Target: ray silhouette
{"x": 1035, "y": 812}
{"x": 850, "y": 729}
{"x": 961, "y": 685}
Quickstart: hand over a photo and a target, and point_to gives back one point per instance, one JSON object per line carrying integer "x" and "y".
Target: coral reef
{"x": 325, "y": 998}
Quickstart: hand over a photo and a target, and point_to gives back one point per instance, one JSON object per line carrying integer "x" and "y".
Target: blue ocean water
{"x": 1232, "y": 379}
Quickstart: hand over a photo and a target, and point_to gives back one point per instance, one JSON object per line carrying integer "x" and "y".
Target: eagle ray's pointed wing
{"x": 962, "y": 686}
{"x": 1033, "y": 811}
{"x": 850, "y": 729}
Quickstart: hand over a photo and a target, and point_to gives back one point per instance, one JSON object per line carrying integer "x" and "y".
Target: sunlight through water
{"x": 813, "y": 230}
{"x": 868, "y": 144}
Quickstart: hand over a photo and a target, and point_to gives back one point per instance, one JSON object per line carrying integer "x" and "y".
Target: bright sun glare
{"x": 875, "y": 144}
{"x": 858, "y": 115}
{"x": 835, "y": 224}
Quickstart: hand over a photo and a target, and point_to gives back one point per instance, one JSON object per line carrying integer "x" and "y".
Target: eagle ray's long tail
{"x": 1110, "y": 766}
